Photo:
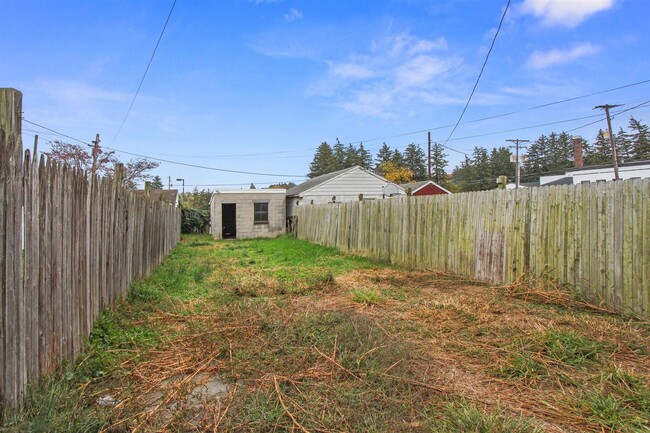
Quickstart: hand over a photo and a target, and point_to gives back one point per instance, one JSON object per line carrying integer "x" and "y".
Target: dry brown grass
{"x": 318, "y": 359}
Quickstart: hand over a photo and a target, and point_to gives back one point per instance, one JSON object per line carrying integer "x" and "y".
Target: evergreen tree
{"x": 384, "y": 155}
{"x": 483, "y": 176}
{"x": 535, "y": 159}
{"x": 351, "y": 157}
{"x": 252, "y": 186}
{"x": 463, "y": 176}
{"x": 624, "y": 146}
{"x": 438, "y": 164}
{"x": 475, "y": 173}
{"x": 323, "y": 162}
{"x": 601, "y": 152}
{"x": 397, "y": 158}
{"x": 559, "y": 152}
{"x": 365, "y": 158}
{"x": 339, "y": 155}
{"x": 415, "y": 160}
{"x": 156, "y": 183}
{"x": 500, "y": 164}
{"x": 640, "y": 138}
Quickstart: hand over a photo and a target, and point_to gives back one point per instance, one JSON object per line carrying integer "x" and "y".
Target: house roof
{"x": 168, "y": 195}
{"x": 416, "y": 186}
{"x": 250, "y": 191}
{"x": 601, "y": 166}
{"x": 313, "y": 183}
{"x": 561, "y": 181}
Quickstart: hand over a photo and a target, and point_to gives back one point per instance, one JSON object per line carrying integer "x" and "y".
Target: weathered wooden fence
{"x": 595, "y": 237}
{"x": 85, "y": 239}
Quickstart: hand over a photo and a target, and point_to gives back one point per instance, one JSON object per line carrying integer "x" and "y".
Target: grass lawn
{"x": 278, "y": 335}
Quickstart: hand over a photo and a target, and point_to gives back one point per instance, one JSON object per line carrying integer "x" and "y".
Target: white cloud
{"x": 80, "y": 93}
{"x": 292, "y": 15}
{"x": 396, "y": 74}
{"x": 420, "y": 71}
{"x": 568, "y": 13}
{"x": 350, "y": 70}
{"x": 544, "y": 59}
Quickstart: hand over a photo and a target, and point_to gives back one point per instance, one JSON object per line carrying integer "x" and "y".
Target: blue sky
{"x": 257, "y": 85}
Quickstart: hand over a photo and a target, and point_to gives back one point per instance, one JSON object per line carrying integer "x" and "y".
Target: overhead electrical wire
{"x": 300, "y": 176}
{"x": 145, "y": 73}
{"x": 487, "y": 57}
{"x": 574, "y": 98}
{"x": 600, "y": 118}
{"x": 405, "y": 133}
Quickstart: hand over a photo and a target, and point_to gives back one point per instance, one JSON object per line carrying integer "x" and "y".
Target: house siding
{"x": 345, "y": 188}
{"x": 244, "y": 201}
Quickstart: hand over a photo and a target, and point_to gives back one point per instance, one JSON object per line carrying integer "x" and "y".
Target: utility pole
{"x": 169, "y": 182}
{"x": 606, "y": 107}
{"x": 96, "y": 152}
{"x": 517, "y": 146}
{"x": 429, "y": 159}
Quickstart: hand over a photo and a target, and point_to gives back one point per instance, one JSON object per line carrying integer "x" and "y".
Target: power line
{"x": 494, "y": 39}
{"x": 301, "y": 176}
{"x": 600, "y": 118}
{"x": 145, "y": 73}
{"x": 56, "y": 132}
{"x": 496, "y": 116}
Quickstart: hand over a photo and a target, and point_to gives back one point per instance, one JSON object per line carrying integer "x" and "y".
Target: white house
{"x": 341, "y": 186}
{"x": 248, "y": 213}
{"x": 598, "y": 173}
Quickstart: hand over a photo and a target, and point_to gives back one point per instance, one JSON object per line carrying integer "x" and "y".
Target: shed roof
{"x": 416, "y": 186}
{"x": 168, "y": 195}
{"x": 313, "y": 183}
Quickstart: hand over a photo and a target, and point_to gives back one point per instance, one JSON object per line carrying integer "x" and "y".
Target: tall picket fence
{"x": 85, "y": 240}
{"x": 593, "y": 237}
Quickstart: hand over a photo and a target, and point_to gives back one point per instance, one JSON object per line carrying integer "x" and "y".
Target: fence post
{"x": 12, "y": 373}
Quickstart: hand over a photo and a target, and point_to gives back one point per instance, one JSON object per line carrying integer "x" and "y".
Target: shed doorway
{"x": 229, "y": 220}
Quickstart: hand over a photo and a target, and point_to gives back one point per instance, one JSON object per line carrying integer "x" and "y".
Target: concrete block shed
{"x": 243, "y": 214}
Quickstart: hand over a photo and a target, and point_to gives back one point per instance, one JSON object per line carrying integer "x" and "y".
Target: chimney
{"x": 577, "y": 151}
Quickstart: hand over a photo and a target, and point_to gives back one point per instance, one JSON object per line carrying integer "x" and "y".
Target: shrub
{"x": 194, "y": 221}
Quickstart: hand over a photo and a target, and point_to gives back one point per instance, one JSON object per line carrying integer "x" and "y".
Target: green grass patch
{"x": 464, "y": 416}
{"x": 570, "y": 348}
{"x": 368, "y": 296}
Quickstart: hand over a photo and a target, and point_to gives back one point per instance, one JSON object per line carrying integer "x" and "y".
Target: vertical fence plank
{"x": 11, "y": 302}
{"x": 594, "y": 238}
{"x": 85, "y": 240}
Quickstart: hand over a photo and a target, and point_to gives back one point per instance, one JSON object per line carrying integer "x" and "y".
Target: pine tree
{"x": 535, "y": 159}
{"x": 464, "y": 175}
{"x": 323, "y": 162}
{"x": 601, "y": 151}
{"x": 500, "y": 164}
{"x": 438, "y": 164}
{"x": 156, "y": 183}
{"x": 415, "y": 160}
{"x": 624, "y": 146}
{"x": 397, "y": 158}
{"x": 640, "y": 138}
{"x": 339, "y": 155}
{"x": 384, "y": 155}
{"x": 558, "y": 152}
{"x": 351, "y": 157}
{"x": 365, "y": 158}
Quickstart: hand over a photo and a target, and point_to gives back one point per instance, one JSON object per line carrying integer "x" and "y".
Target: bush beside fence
{"x": 593, "y": 237}
{"x": 85, "y": 240}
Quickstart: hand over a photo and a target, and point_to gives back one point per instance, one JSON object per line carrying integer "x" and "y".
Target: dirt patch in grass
{"x": 305, "y": 339}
